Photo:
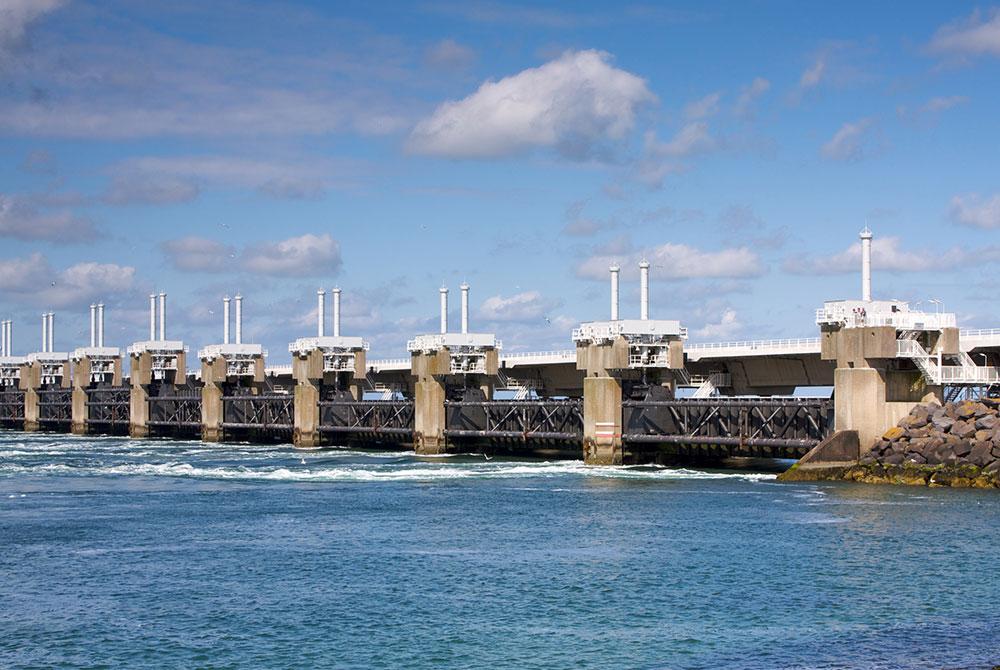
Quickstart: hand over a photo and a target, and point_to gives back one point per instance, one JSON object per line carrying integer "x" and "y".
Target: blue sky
{"x": 274, "y": 148}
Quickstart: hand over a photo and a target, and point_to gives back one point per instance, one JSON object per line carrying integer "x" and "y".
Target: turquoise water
{"x": 118, "y": 553}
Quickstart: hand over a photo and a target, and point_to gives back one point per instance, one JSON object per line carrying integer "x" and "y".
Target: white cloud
{"x": 573, "y": 104}
{"x": 304, "y": 256}
{"x": 33, "y": 281}
{"x": 22, "y": 220}
{"x": 526, "y": 306}
{"x": 662, "y": 158}
{"x": 813, "y": 75}
{"x": 199, "y": 254}
{"x": 940, "y": 104}
{"x": 15, "y": 18}
{"x": 677, "y": 261}
{"x": 889, "y": 256}
{"x": 847, "y": 144}
{"x": 972, "y": 210}
{"x": 156, "y": 180}
{"x": 727, "y": 327}
{"x": 703, "y": 108}
{"x": 449, "y": 54}
{"x": 978, "y": 34}
{"x": 749, "y": 94}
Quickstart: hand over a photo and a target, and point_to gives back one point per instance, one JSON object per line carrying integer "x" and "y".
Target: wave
{"x": 414, "y": 472}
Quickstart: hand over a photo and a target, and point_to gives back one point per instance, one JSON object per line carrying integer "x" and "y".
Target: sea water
{"x": 120, "y": 553}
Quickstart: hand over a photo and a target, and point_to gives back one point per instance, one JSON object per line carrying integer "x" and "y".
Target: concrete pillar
{"x": 211, "y": 413}
{"x": 213, "y": 375}
{"x": 141, "y": 377}
{"x": 871, "y": 393}
{"x": 306, "y": 433}
{"x": 29, "y": 382}
{"x": 138, "y": 401}
{"x": 81, "y": 380}
{"x": 31, "y": 410}
{"x": 429, "y": 417}
{"x": 602, "y": 421}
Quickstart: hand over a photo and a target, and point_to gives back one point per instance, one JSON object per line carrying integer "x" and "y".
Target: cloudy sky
{"x": 275, "y": 148}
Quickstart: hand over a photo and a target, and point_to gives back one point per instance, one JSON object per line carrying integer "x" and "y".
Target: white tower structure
{"x": 615, "y": 271}
{"x": 465, "y": 308}
{"x": 320, "y": 313}
{"x": 336, "y": 312}
{"x": 648, "y": 340}
{"x": 866, "y": 264}
{"x": 225, "y": 320}
{"x": 444, "y": 309}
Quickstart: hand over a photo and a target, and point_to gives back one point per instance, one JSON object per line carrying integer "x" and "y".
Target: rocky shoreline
{"x": 952, "y": 445}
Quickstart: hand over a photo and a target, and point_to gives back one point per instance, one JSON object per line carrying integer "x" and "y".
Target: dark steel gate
{"x": 108, "y": 408}
{"x": 371, "y": 419}
{"x": 268, "y": 412}
{"x": 55, "y": 408}
{"x": 519, "y": 420}
{"x": 180, "y": 411}
{"x": 790, "y": 425}
{"x": 11, "y": 406}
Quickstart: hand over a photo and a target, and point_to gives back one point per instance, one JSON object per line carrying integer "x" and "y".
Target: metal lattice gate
{"x": 520, "y": 420}
{"x": 793, "y": 425}
{"x": 55, "y": 407}
{"x": 11, "y": 407}
{"x": 273, "y": 412}
{"x": 367, "y": 418}
{"x": 108, "y": 408}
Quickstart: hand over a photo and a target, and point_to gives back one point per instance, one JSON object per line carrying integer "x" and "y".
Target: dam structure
{"x": 630, "y": 390}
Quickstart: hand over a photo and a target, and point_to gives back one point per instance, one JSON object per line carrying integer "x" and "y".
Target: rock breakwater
{"x": 954, "y": 444}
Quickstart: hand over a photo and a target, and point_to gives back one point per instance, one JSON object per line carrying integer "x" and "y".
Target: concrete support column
{"x": 78, "y": 426}
{"x": 81, "y": 380}
{"x": 306, "y": 433}
{"x": 211, "y": 412}
{"x": 602, "y": 421}
{"x": 31, "y": 410}
{"x": 429, "y": 417}
{"x": 138, "y": 401}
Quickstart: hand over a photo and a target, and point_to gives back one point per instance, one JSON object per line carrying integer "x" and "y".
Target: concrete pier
{"x": 227, "y": 369}
{"x": 92, "y": 367}
{"x": 324, "y": 367}
{"x": 429, "y": 394}
{"x": 873, "y": 387}
{"x": 154, "y": 365}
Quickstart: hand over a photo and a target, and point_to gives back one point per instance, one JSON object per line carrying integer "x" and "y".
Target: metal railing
{"x": 800, "y": 343}
{"x": 520, "y": 420}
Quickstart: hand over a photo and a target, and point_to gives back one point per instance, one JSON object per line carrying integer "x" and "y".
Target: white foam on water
{"x": 416, "y": 471}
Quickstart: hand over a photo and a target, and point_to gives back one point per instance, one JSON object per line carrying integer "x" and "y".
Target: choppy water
{"x": 119, "y": 553}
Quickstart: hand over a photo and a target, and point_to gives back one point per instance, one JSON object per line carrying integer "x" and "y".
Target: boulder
{"x": 939, "y": 453}
{"x": 987, "y": 422}
{"x": 981, "y": 410}
{"x": 981, "y": 455}
{"x": 917, "y": 433}
{"x": 962, "y": 449}
{"x": 942, "y": 421}
{"x": 893, "y": 433}
{"x": 984, "y": 436}
{"x": 963, "y": 429}
{"x": 992, "y": 468}
{"x": 914, "y": 457}
{"x": 893, "y": 459}
{"x": 966, "y": 409}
